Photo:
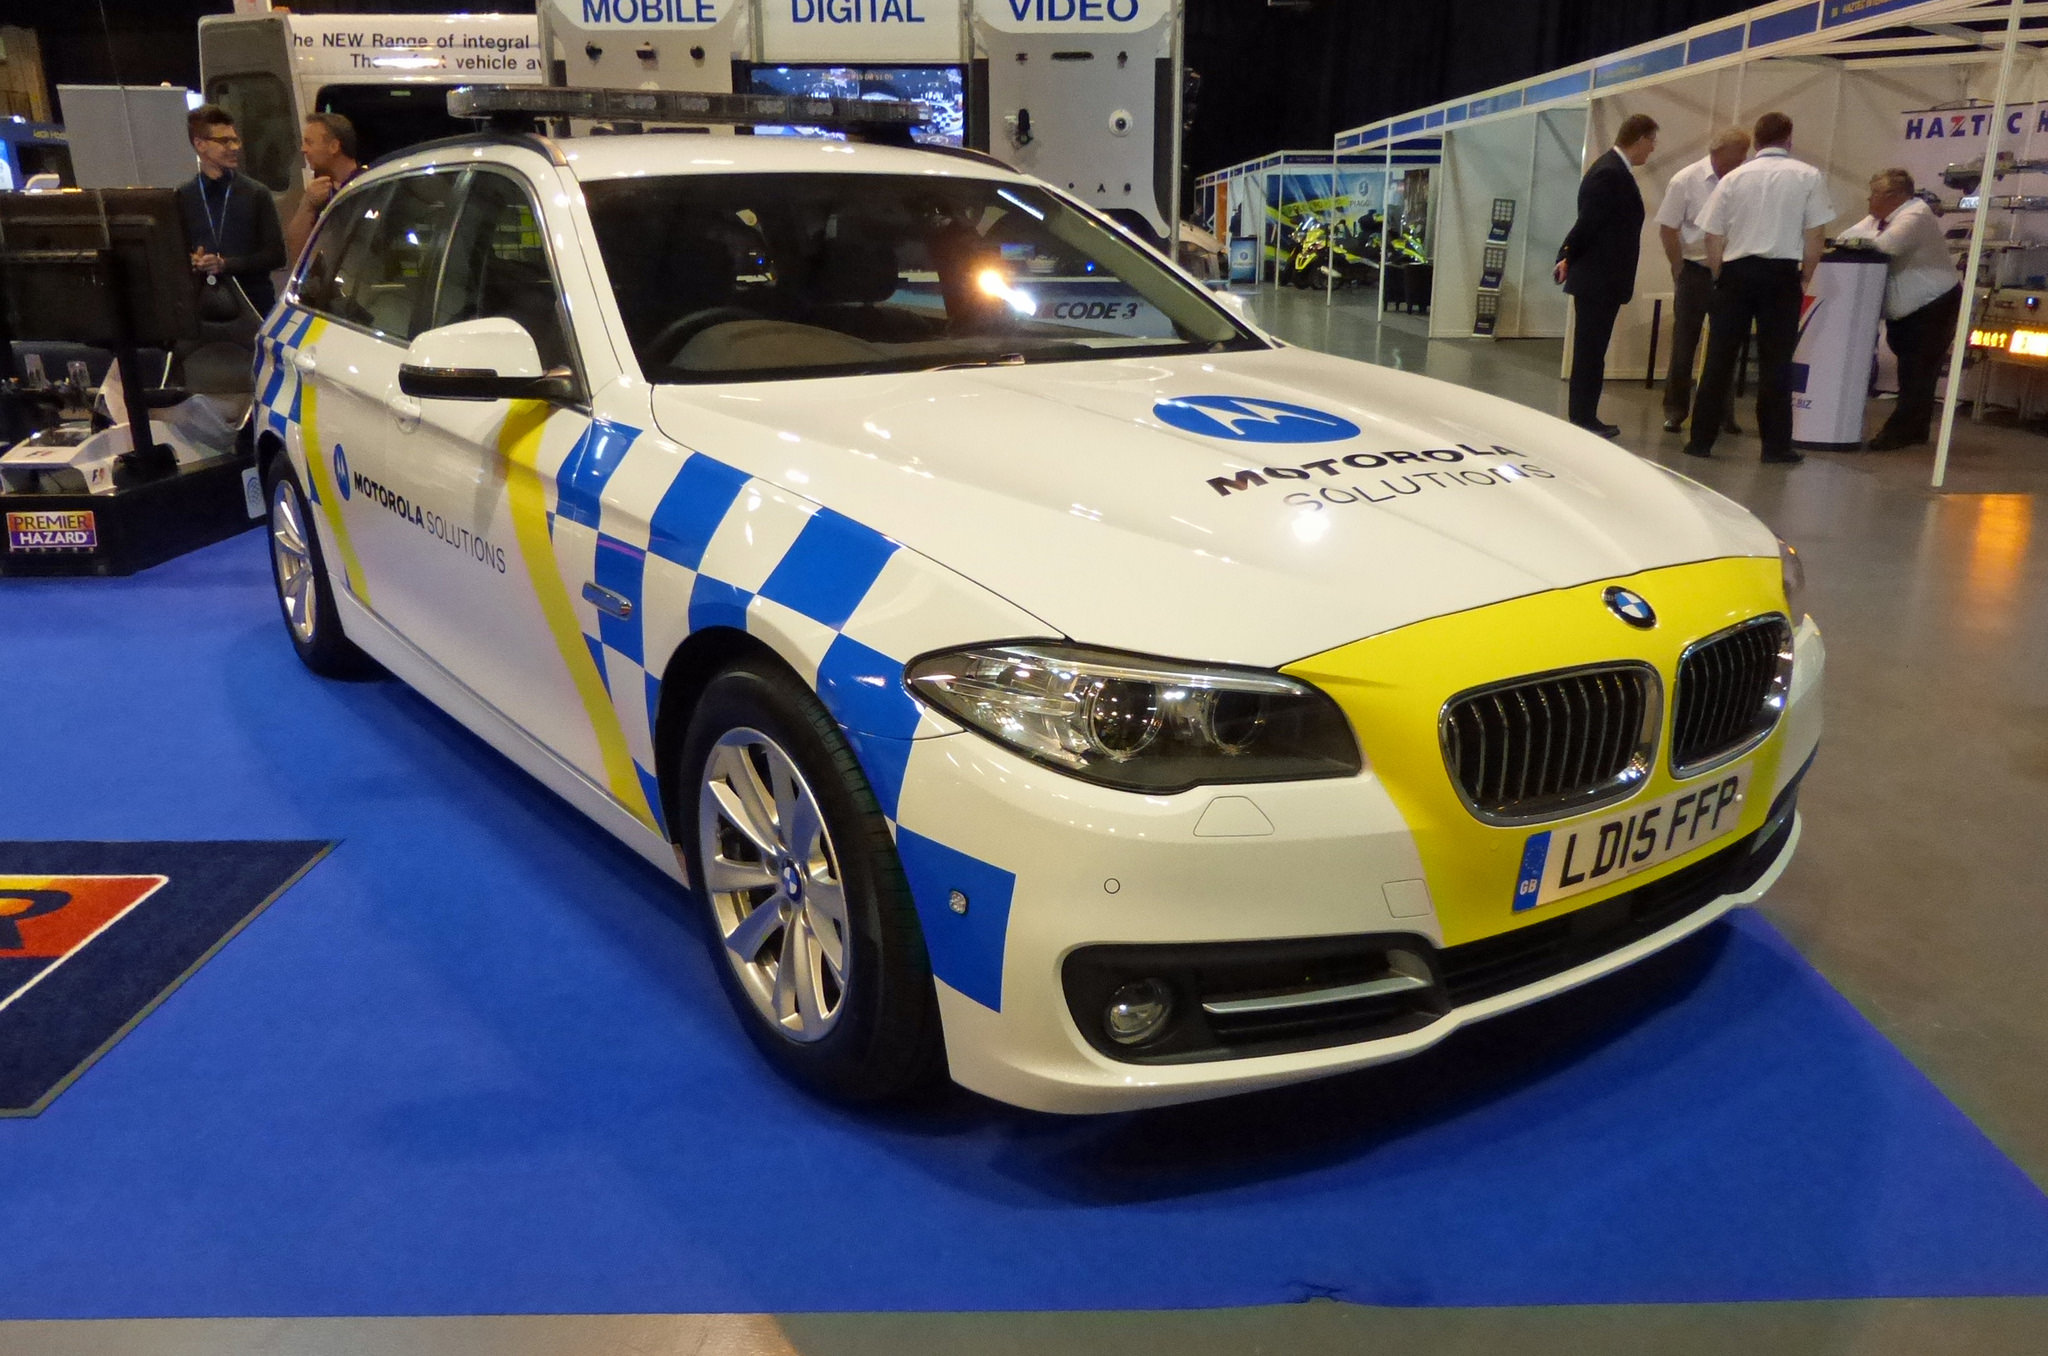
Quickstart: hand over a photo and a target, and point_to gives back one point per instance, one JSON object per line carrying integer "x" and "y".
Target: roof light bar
{"x": 681, "y": 106}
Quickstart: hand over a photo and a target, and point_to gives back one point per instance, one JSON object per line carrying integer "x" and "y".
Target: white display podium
{"x": 1837, "y": 340}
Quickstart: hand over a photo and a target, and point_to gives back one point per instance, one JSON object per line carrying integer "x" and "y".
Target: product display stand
{"x": 1493, "y": 267}
{"x": 1837, "y": 344}
{"x": 94, "y": 271}
{"x": 1503, "y": 221}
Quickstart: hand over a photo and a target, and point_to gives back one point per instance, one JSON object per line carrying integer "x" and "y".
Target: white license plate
{"x": 1560, "y": 863}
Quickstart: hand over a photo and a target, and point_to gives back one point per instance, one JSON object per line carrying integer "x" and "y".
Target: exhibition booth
{"x": 1922, "y": 84}
{"x": 1265, "y": 210}
{"x": 439, "y": 902}
{"x": 1086, "y": 96}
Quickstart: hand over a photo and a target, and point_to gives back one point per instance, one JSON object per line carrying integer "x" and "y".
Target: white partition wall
{"x": 1845, "y": 72}
{"x": 1535, "y": 161}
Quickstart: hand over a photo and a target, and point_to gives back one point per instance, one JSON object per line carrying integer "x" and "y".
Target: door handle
{"x": 605, "y": 600}
{"x": 305, "y": 361}
{"x": 405, "y": 410}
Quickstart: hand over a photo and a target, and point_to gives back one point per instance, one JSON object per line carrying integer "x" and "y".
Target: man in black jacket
{"x": 230, "y": 221}
{"x": 1597, "y": 262}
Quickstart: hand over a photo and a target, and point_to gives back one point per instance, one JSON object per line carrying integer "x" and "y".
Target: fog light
{"x": 1138, "y": 1011}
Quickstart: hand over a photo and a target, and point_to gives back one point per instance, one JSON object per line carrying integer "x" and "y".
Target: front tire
{"x": 304, "y": 595}
{"x": 816, "y": 938}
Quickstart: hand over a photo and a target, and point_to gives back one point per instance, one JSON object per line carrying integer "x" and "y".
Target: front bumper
{"x": 1245, "y": 999}
{"x": 1311, "y": 887}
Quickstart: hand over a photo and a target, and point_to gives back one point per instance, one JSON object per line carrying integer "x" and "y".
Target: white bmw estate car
{"x": 1044, "y": 677}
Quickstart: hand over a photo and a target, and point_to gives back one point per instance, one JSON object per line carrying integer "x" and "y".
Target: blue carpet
{"x": 92, "y": 935}
{"x": 476, "y": 1061}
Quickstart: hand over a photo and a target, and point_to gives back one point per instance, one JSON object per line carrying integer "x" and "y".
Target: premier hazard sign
{"x": 38, "y": 530}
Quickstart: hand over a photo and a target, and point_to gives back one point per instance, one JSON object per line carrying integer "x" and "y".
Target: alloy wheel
{"x": 774, "y": 884}
{"x": 293, "y": 561}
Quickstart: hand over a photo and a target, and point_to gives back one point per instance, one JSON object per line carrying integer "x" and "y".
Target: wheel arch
{"x": 269, "y": 447}
{"x": 689, "y": 670}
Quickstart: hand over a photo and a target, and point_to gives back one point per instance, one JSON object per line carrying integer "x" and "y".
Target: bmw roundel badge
{"x": 1630, "y": 606}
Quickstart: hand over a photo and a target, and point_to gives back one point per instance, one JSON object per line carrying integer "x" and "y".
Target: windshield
{"x": 756, "y": 276}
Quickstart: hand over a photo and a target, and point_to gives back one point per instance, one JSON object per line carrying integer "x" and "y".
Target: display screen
{"x": 939, "y": 88}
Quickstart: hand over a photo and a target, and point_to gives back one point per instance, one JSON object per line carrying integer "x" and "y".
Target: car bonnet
{"x": 1247, "y": 508}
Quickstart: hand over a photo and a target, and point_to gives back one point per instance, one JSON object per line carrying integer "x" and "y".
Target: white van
{"x": 387, "y": 73}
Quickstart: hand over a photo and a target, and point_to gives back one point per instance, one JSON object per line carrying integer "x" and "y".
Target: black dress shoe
{"x": 1673, "y": 422}
{"x": 1604, "y": 430}
{"x": 1731, "y": 427}
{"x": 1691, "y": 451}
{"x": 1888, "y": 441}
{"x": 1786, "y": 458}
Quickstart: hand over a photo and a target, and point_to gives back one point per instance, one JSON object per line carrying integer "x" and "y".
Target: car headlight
{"x": 1794, "y": 571}
{"x": 1140, "y": 724}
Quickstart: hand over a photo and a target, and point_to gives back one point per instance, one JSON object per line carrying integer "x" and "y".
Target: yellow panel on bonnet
{"x": 1394, "y": 686}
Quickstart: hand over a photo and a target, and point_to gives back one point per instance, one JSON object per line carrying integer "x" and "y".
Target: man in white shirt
{"x": 1685, "y": 245}
{"x": 1763, "y": 227}
{"x": 1922, "y": 293}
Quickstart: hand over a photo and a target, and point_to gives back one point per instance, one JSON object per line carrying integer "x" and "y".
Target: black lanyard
{"x": 206, "y": 206}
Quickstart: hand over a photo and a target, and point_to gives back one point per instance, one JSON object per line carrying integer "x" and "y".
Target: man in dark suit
{"x": 230, "y": 221}
{"x": 1597, "y": 262}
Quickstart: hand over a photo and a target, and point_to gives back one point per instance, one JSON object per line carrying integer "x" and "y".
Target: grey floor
{"x": 1919, "y": 892}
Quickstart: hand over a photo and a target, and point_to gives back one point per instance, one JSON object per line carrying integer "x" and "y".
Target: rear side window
{"x": 383, "y": 265}
{"x": 498, "y": 266}
{"x": 352, "y": 217}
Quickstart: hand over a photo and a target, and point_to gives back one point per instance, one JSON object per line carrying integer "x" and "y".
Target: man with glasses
{"x": 230, "y": 221}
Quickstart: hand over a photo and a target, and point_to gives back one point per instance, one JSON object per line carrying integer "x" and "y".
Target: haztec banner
{"x": 1953, "y": 126}
{"x": 1930, "y": 139}
{"x": 1071, "y": 16}
{"x": 853, "y": 31}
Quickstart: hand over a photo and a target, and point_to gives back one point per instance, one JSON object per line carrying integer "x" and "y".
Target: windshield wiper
{"x": 1003, "y": 360}
{"x": 1052, "y": 352}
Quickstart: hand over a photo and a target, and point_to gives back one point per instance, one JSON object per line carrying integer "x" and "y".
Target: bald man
{"x": 1685, "y": 246}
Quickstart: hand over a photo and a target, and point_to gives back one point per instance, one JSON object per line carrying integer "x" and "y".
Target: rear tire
{"x": 816, "y": 939}
{"x": 304, "y": 595}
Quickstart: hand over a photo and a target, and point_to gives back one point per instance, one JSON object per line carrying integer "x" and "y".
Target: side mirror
{"x": 490, "y": 359}
{"x": 1232, "y": 302}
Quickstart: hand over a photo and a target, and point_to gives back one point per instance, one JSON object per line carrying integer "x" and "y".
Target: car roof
{"x": 593, "y": 158}
{"x": 639, "y": 155}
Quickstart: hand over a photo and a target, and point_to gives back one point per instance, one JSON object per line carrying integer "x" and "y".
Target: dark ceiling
{"x": 1273, "y": 77}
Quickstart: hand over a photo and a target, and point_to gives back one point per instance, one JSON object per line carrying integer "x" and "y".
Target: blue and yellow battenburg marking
{"x": 288, "y": 406}
{"x": 824, "y": 574}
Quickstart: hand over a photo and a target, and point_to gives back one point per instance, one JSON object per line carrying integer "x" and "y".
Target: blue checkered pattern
{"x": 843, "y": 604}
{"x": 720, "y": 549}
{"x": 724, "y": 549}
{"x": 277, "y": 381}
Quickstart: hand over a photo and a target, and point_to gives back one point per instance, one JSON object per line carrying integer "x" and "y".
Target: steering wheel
{"x": 670, "y": 340}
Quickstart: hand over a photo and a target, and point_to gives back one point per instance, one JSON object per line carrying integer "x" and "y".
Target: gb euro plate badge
{"x": 1560, "y": 863}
